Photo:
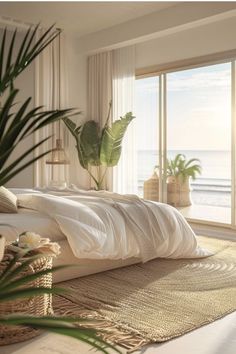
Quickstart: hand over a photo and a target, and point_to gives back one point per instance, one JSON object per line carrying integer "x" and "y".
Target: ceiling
{"x": 80, "y": 17}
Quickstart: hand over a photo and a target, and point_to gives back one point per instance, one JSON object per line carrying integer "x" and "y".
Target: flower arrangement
{"x": 32, "y": 243}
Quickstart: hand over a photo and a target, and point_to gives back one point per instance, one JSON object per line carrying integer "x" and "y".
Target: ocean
{"x": 212, "y": 187}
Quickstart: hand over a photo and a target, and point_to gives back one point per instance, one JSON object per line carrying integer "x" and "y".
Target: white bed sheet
{"x": 106, "y": 225}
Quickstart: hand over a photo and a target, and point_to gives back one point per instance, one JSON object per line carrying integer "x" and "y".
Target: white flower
{"x": 29, "y": 240}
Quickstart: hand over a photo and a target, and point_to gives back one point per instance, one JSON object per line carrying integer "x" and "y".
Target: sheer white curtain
{"x": 47, "y": 94}
{"x": 123, "y": 81}
{"x": 111, "y": 76}
{"x": 100, "y": 96}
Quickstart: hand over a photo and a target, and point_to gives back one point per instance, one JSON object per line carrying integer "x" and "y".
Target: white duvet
{"x": 104, "y": 225}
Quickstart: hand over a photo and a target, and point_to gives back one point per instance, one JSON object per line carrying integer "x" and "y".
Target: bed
{"x": 98, "y": 231}
{"x": 201, "y": 341}
{"x": 31, "y": 220}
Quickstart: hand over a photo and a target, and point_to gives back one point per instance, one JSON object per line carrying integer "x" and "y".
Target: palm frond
{"x": 23, "y": 124}
{"x": 30, "y": 48}
{"x": 28, "y": 292}
{"x": 183, "y": 168}
{"x": 28, "y": 278}
{"x": 66, "y": 326}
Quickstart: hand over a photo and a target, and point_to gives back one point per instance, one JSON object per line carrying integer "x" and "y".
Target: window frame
{"x": 161, "y": 71}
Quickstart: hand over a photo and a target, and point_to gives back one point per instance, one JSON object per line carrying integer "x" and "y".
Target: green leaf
{"x": 111, "y": 143}
{"x": 26, "y": 54}
{"x": 2, "y": 52}
{"x": 29, "y": 278}
{"x": 89, "y": 141}
{"x": 28, "y": 292}
{"x": 179, "y": 166}
{"x": 64, "y": 326}
{"x": 22, "y": 125}
{"x": 76, "y": 131}
{"x": 5, "y": 111}
{"x": 10, "y": 51}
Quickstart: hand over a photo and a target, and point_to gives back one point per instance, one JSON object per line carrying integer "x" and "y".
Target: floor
{"x": 207, "y": 213}
{"x": 217, "y": 338}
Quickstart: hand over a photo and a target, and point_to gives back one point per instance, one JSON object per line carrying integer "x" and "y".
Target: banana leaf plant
{"x": 98, "y": 146}
{"x": 16, "y": 123}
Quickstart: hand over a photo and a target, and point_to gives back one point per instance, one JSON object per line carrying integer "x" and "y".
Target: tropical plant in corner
{"x": 16, "y": 123}
{"x": 179, "y": 170}
{"x": 98, "y": 146}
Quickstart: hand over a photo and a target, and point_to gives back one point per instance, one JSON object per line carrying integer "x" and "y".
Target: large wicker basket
{"x": 151, "y": 188}
{"x": 40, "y": 305}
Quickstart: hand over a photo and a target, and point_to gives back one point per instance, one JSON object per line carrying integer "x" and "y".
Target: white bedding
{"x": 103, "y": 225}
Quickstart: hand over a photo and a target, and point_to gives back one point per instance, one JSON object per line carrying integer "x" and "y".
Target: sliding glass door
{"x": 191, "y": 114}
{"x": 146, "y": 125}
{"x": 199, "y": 127}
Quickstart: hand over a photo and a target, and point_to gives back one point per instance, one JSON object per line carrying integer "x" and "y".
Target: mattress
{"x": 83, "y": 267}
{"x": 29, "y": 220}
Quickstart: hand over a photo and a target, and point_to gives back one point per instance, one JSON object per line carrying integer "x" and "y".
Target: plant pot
{"x": 151, "y": 188}
{"x": 40, "y": 305}
{"x": 178, "y": 191}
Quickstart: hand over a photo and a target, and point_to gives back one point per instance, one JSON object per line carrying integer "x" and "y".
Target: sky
{"x": 198, "y": 109}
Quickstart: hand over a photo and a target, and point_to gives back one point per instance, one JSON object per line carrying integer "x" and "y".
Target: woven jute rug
{"x": 158, "y": 300}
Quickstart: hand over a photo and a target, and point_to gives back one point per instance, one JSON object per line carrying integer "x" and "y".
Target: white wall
{"x": 194, "y": 42}
{"x": 181, "y": 15}
{"x": 77, "y": 98}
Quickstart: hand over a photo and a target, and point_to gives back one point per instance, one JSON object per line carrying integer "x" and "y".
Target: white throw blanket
{"x": 104, "y": 225}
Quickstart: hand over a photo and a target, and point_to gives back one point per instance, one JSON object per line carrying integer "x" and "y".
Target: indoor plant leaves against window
{"x": 99, "y": 147}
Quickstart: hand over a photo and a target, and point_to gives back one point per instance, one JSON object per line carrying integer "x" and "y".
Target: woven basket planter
{"x": 178, "y": 192}
{"x": 40, "y": 305}
{"x": 151, "y": 188}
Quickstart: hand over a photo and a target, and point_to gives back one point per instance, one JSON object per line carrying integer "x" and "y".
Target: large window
{"x": 197, "y": 124}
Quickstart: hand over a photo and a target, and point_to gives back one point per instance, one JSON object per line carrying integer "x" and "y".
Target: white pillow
{"x": 8, "y": 201}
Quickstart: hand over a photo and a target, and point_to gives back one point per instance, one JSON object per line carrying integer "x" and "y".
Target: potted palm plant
{"x": 179, "y": 171}
{"x": 16, "y": 123}
{"x": 99, "y": 146}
